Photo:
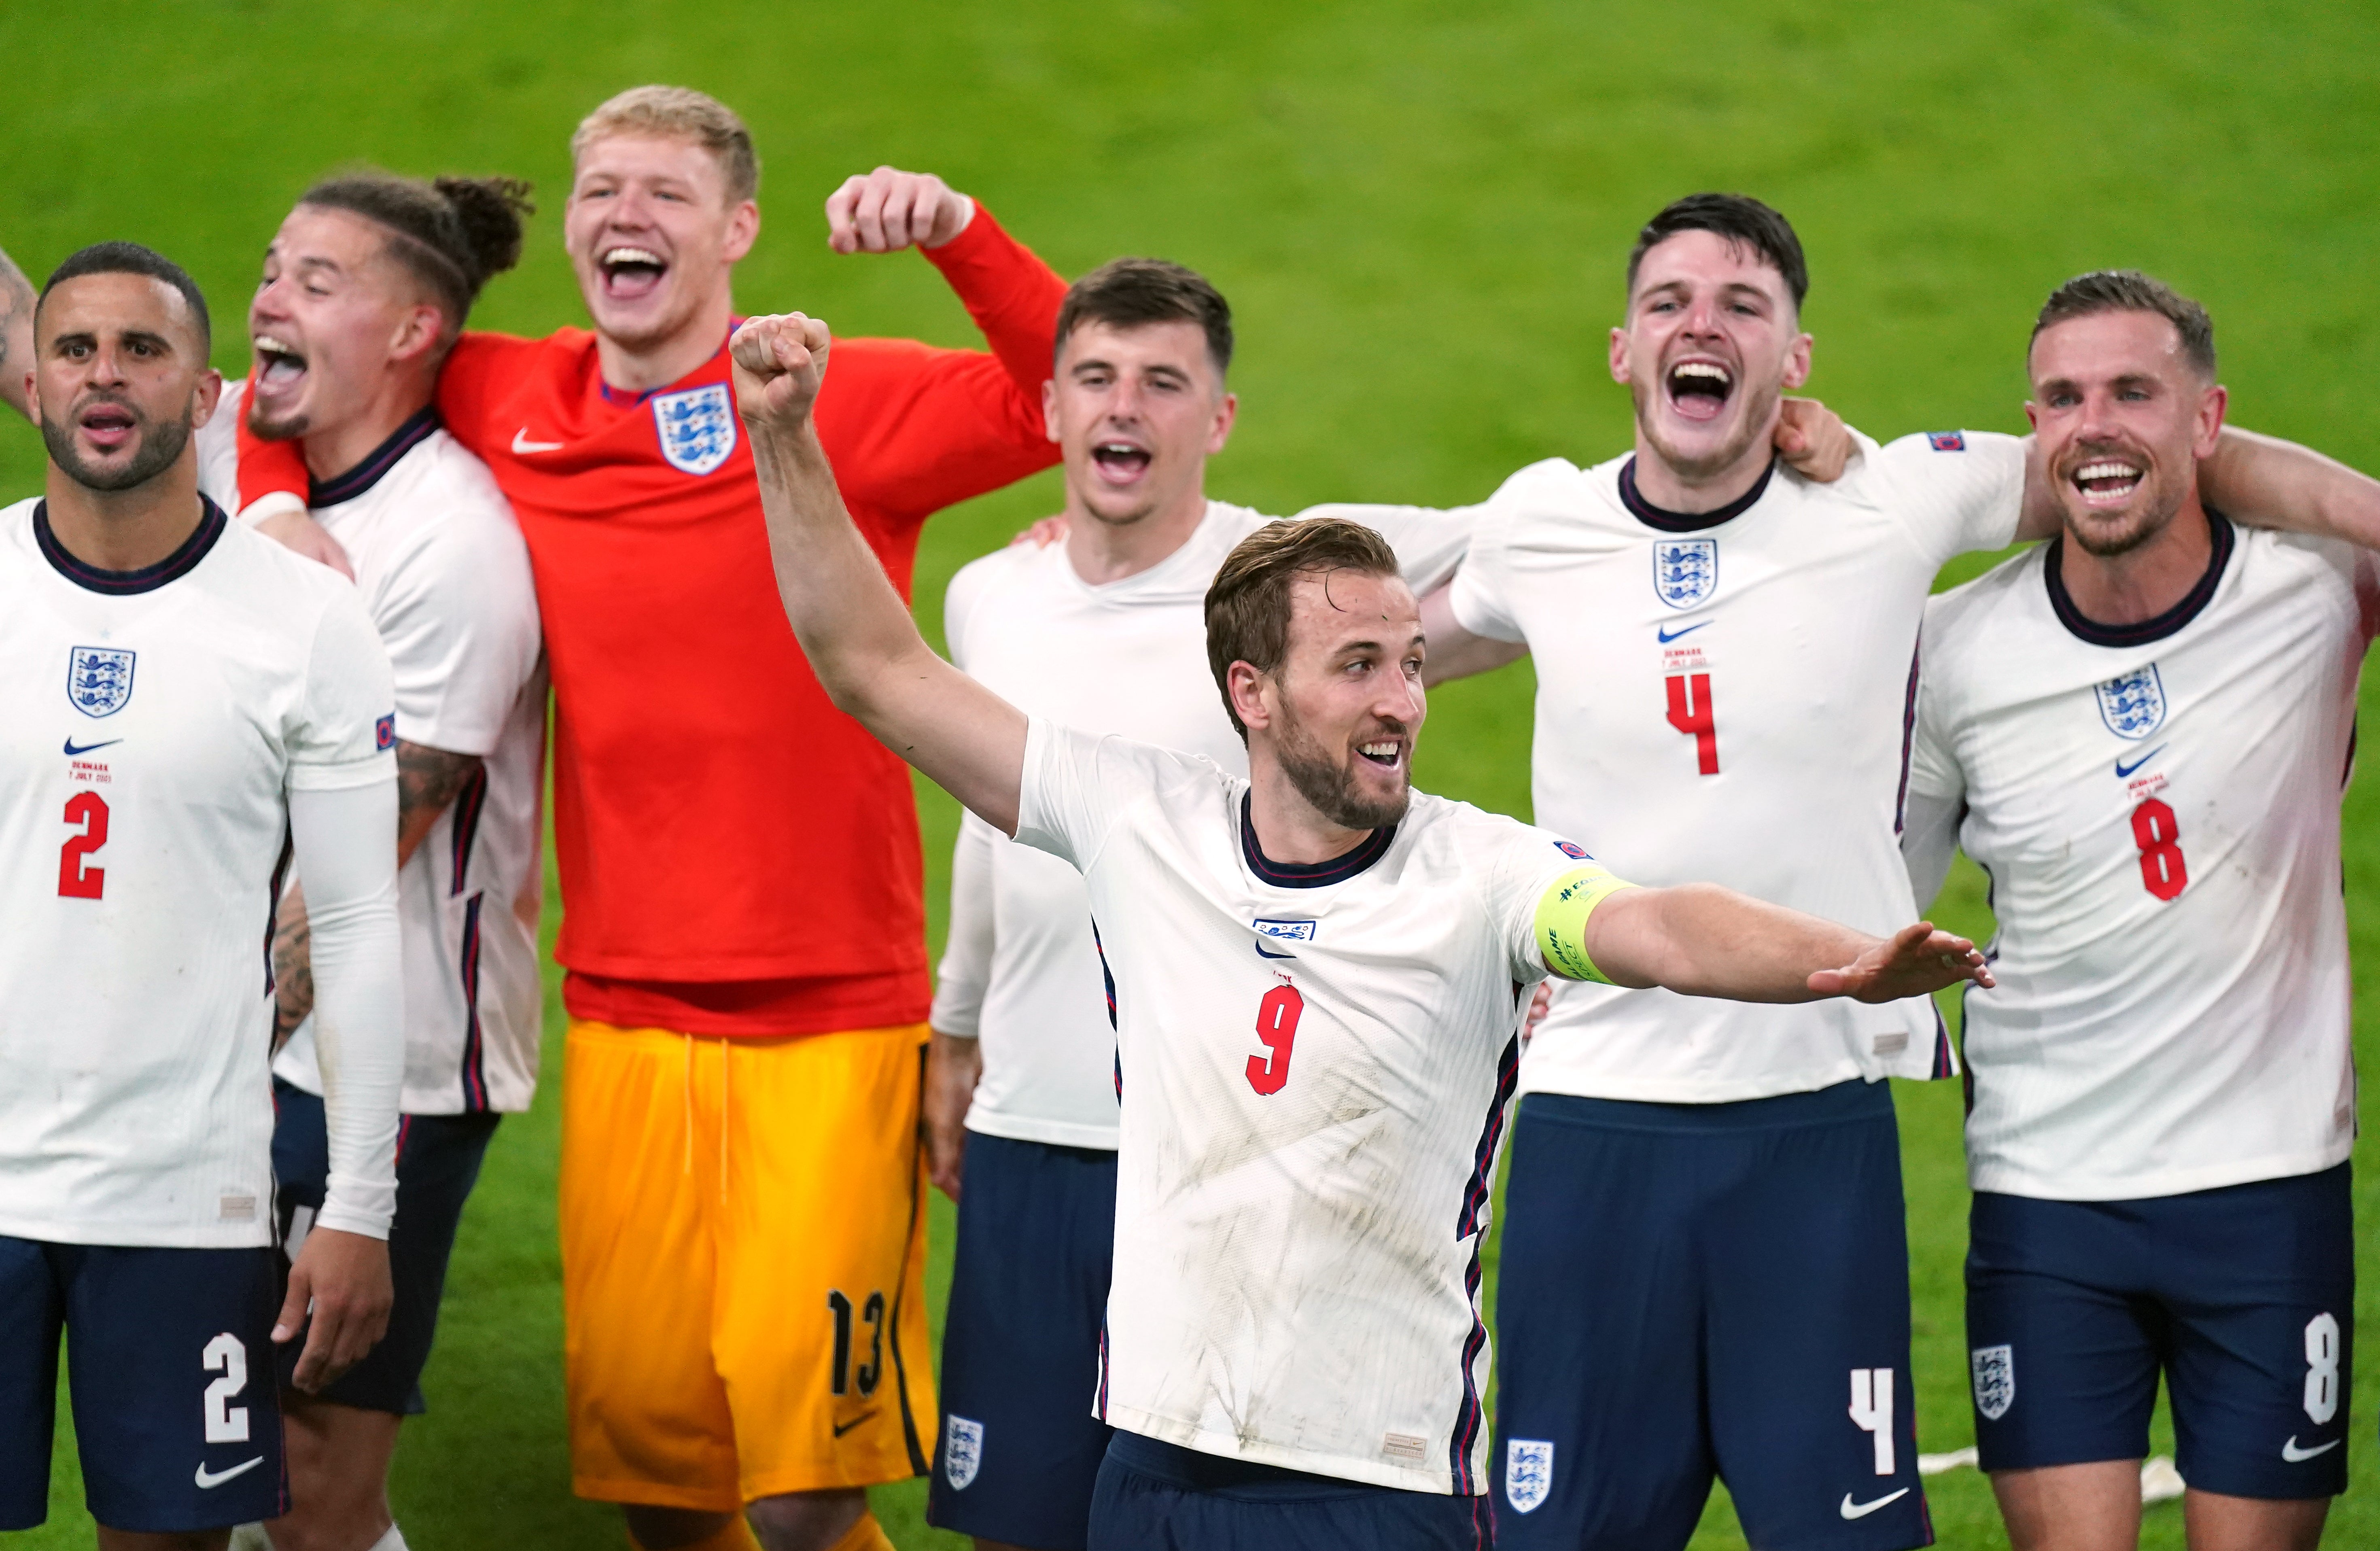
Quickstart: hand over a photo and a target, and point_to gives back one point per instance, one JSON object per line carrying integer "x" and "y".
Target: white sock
{"x": 393, "y": 1541}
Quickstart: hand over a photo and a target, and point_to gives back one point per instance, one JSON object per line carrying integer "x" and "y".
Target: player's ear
{"x": 743, "y": 230}
{"x": 418, "y": 332}
{"x": 1050, "y": 408}
{"x": 2212, "y": 405}
{"x": 1245, "y": 685}
{"x": 205, "y": 396}
{"x": 1797, "y": 361}
{"x": 1618, "y": 355}
{"x": 1226, "y": 413}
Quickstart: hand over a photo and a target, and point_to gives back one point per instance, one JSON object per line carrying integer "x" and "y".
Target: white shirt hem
{"x": 1766, "y": 1085}
{"x": 1371, "y": 1472}
{"x": 2003, "y": 1179}
{"x": 1054, "y": 1133}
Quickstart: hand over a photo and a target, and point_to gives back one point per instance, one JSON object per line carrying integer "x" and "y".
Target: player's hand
{"x": 1541, "y": 1000}
{"x": 1813, "y": 440}
{"x": 341, "y": 1278}
{"x": 1041, "y": 535}
{"x": 953, "y": 1068}
{"x": 298, "y": 530}
{"x": 888, "y": 209}
{"x": 1915, "y": 961}
{"x": 779, "y": 362}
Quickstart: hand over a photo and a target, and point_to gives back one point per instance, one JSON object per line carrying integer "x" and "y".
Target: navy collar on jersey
{"x": 1309, "y": 875}
{"x": 2193, "y": 604}
{"x": 379, "y": 461}
{"x": 1667, "y": 521}
{"x": 611, "y": 395}
{"x": 149, "y": 578}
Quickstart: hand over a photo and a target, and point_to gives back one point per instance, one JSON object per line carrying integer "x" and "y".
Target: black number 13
{"x": 871, "y": 1370}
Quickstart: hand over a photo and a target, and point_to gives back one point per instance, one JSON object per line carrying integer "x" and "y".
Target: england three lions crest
{"x": 2133, "y": 705}
{"x": 1528, "y": 1472}
{"x": 697, "y": 428}
{"x": 1685, "y": 571}
{"x": 99, "y": 680}
{"x": 1995, "y": 1375}
{"x": 962, "y": 1451}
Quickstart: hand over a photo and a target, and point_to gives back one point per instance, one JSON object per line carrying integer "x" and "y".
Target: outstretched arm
{"x": 16, "y": 336}
{"x": 1702, "y": 940}
{"x": 859, "y": 639}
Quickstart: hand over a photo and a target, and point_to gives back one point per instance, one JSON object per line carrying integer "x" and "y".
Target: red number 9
{"x": 1277, "y": 1018}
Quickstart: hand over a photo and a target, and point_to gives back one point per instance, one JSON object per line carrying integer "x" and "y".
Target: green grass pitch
{"x": 1419, "y": 213}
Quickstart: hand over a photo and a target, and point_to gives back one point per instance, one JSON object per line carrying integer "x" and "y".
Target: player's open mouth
{"x": 631, "y": 272}
{"x": 107, "y": 427}
{"x": 1699, "y": 390}
{"x": 1386, "y": 752}
{"x": 277, "y": 365}
{"x": 2107, "y": 481}
{"x": 1122, "y": 461}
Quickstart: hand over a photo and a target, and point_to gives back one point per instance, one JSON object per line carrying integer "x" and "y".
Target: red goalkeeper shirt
{"x": 738, "y": 857}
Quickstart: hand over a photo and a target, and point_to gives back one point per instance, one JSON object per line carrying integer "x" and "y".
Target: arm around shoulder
{"x": 2268, "y": 482}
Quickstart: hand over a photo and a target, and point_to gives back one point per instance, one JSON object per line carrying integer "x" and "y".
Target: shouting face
{"x": 334, "y": 308}
{"x": 653, "y": 237}
{"x": 1136, "y": 413}
{"x": 2123, "y": 415}
{"x": 120, "y": 379}
{"x": 1713, "y": 340}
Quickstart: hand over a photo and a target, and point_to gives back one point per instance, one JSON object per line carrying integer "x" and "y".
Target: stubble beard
{"x": 161, "y": 443}
{"x": 1759, "y": 410}
{"x": 1330, "y": 786}
{"x": 2096, "y": 537}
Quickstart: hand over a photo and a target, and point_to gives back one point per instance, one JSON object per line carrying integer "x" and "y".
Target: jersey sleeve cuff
{"x": 272, "y": 503}
{"x": 338, "y": 775}
{"x": 366, "y": 1211}
{"x": 1562, "y": 912}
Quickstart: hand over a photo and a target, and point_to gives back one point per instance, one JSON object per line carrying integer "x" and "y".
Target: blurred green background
{"x": 1419, "y": 214}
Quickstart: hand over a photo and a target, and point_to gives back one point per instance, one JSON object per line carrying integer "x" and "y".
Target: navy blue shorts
{"x": 2243, "y": 1298}
{"x": 1690, "y": 1291}
{"x": 175, "y": 1410}
{"x": 1155, "y": 1497}
{"x": 1020, "y": 1449}
{"x": 437, "y": 1162}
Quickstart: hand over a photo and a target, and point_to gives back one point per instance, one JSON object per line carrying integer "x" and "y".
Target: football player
{"x": 743, "y": 1210}
{"x": 2140, "y": 730}
{"x": 1319, "y": 980}
{"x": 224, "y": 709}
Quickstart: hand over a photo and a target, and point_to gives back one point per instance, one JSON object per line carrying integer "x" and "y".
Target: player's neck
{"x": 333, "y": 449}
{"x": 641, "y": 366}
{"x": 1101, "y": 552}
{"x": 126, "y": 530}
{"x": 1289, "y": 828}
{"x": 1663, "y": 485}
{"x": 2140, "y": 584}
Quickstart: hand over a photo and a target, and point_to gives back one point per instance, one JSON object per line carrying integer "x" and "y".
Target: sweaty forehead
{"x": 112, "y": 305}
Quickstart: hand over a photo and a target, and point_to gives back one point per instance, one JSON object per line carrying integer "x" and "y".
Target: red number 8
{"x": 1277, "y": 1018}
{"x": 2163, "y": 872}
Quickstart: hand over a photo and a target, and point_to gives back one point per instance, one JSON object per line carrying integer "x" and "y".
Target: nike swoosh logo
{"x": 1860, "y": 1510}
{"x": 1262, "y": 954}
{"x": 1668, "y": 636}
{"x": 2124, "y": 770}
{"x": 521, "y": 444}
{"x": 2292, "y": 1453}
{"x": 72, "y": 750}
{"x": 843, "y": 1428}
{"x": 209, "y": 1480}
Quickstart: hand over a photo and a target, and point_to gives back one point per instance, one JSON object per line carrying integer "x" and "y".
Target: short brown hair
{"x": 678, "y": 113}
{"x": 1248, "y": 606}
{"x": 2128, "y": 290}
{"x": 450, "y": 234}
{"x": 1130, "y": 293}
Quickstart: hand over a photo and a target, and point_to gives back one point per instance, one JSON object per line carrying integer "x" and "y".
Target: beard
{"x": 2107, "y": 537}
{"x": 160, "y": 442}
{"x": 1759, "y": 408}
{"x": 1329, "y": 785}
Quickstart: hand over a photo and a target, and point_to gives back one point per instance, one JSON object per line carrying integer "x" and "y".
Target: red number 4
{"x": 77, "y": 878}
{"x": 2154, "y": 831}
{"x": 1690, "y": 712}
{"x": 1277, "y": 1017}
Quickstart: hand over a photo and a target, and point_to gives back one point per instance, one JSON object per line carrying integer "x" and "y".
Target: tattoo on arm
{"x": 293, "y": 968}
{"x": 427, "y": 780}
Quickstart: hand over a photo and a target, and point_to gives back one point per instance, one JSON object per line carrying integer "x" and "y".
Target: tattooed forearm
{"x": 293, "y": 968}
{"x": 15, "y": 333}
{"x": 427, "y": 780}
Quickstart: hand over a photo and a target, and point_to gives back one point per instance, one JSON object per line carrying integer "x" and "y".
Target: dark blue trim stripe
{"x": 417, "y": 430}
{"x": 1942, "y": 1065}
{"x": 1908, "y": 740}
{"x": 1668, "y": 521}
{"x": 1103, "y": 1366}
{"x": 1108, "y": 976}
{"x": 1309, "y": 875}
{"x": 1473, "y": 1416}
{"x": 469, "y": 803}
{"x": 2193, "y": 604}
{"x": 272, "y": 913}
{"x": 148, "y": 578}
{"x": 474, "y": 1076}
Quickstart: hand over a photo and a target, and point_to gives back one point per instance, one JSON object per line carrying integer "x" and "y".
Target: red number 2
{"x": 1277, "y": 1018}
{"x": 2154, "y": 831}
{"x": 1690, "y": 712}
{"x": 77, "y": 880}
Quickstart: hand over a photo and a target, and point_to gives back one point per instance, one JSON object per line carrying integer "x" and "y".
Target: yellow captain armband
{"x": 1562, "y": 910}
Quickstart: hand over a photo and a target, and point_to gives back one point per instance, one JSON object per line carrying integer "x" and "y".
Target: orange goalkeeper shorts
{"x": 743, "y": 1264}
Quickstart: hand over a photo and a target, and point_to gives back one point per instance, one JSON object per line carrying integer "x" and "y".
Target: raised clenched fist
{"x": 779, "y": 361}
{"x": 888, "y": 209}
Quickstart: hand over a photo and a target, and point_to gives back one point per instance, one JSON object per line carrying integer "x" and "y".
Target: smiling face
{"x": 653, "y": 237}
{"x": 333, "y": 310}
{"x": 1713, "y": 340}
{"x": 1342, "y": 713}
{"x": 1136, "y": 413}
{"x": 2123, "y": 417}
{"x": 120, "y": 377}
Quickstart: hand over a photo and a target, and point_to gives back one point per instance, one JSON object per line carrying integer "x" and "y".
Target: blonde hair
{"x": 678, "y": 113}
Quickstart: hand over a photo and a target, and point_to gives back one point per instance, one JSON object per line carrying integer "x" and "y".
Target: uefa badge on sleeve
{"x": 99, "y": 680}
{"x": 697, "y": 428}
{"x": 961, "y": 1452}
{"x": 1994, "y": 1372}
{"x": 1685, "y": 571}
{"x": 1528, "y": 1472}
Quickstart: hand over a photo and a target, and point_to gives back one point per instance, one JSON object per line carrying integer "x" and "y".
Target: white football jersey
{"x": 2157, "y": 807}
{"x": 1127, "y": 657}
{"x": 1726, "y": 699}
{"x": 151, "y": 726}
{"x": 443, "y": 571}
{"x": 1314, "y": 1063}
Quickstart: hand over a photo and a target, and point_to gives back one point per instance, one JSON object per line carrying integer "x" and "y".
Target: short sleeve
{"x": 342, "y": 731}
{"x": 1540, "y": 889}
{"x": 1077, "y": 785}
{"x": 1481, "y": 595}
{"x": 458, "y": 616}
{"x": 1957, "y": 491}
